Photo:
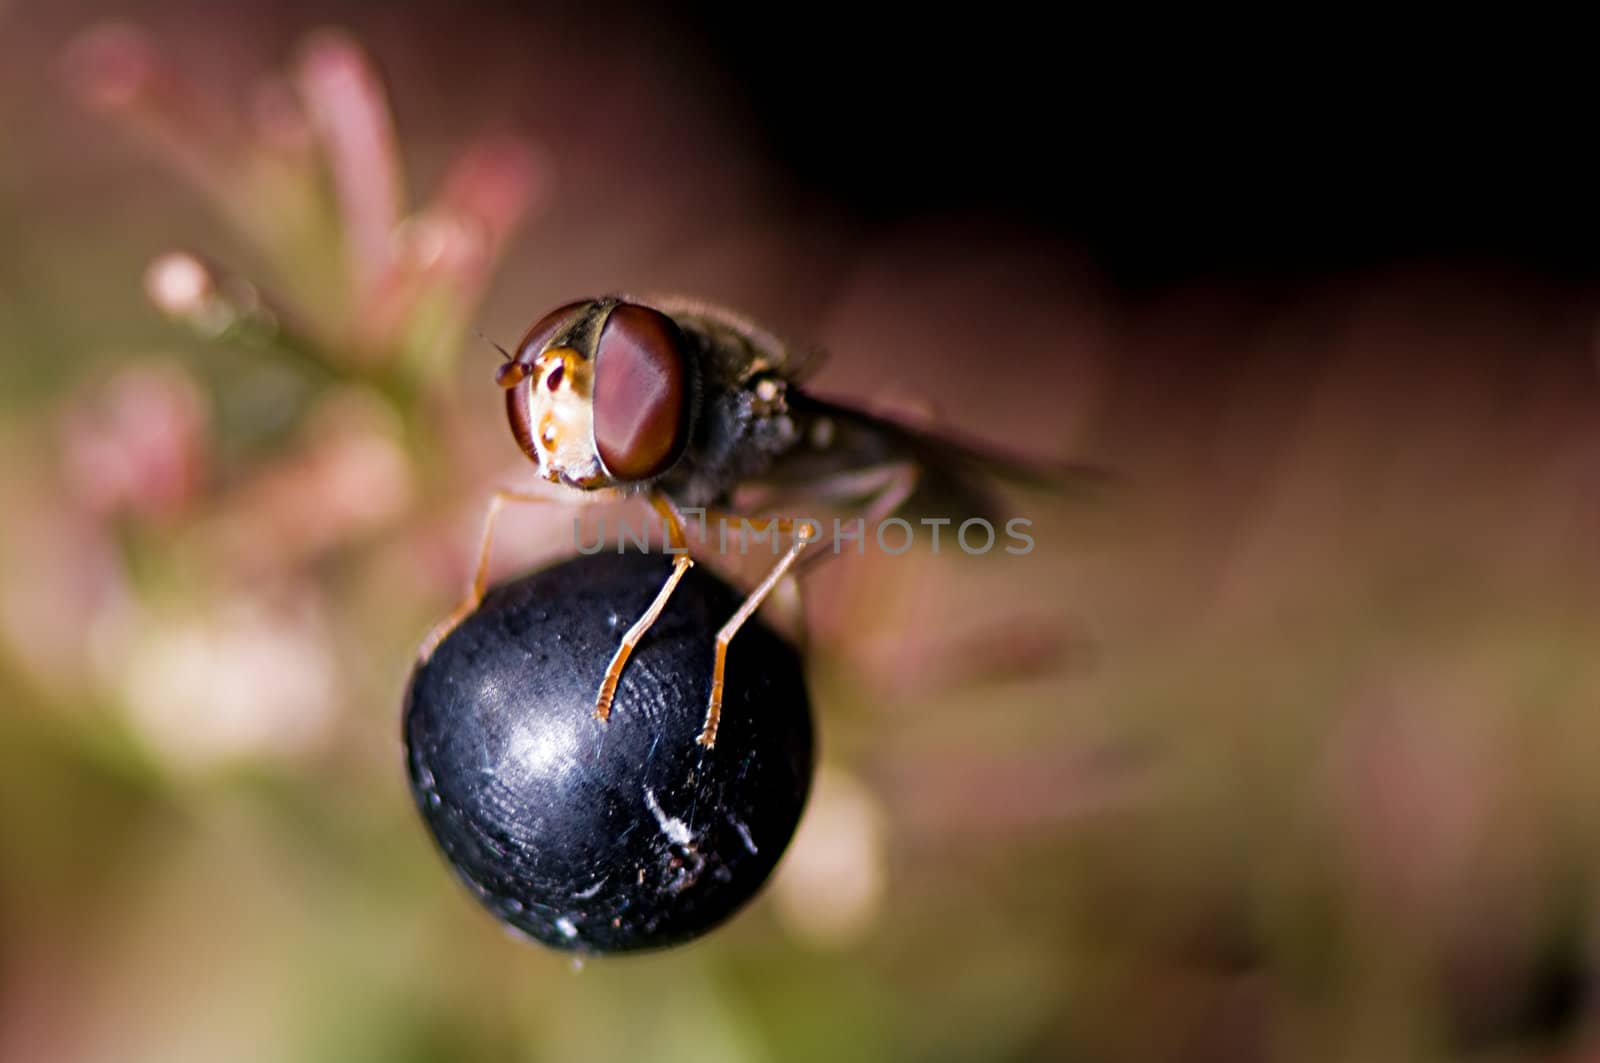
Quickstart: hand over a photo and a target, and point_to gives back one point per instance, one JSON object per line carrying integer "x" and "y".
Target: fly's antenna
{"x": 505, "y": 353}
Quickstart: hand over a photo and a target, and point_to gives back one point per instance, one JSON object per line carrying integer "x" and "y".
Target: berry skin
{"x": 617, "y": 836}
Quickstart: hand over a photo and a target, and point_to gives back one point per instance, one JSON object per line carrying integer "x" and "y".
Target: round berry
{"x": 619, "y": 835}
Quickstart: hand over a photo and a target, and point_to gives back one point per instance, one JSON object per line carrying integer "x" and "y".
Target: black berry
{"x": 607, "y": 837}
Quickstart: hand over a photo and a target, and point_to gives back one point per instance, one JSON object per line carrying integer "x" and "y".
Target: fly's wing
{"x": 955, "y": 479}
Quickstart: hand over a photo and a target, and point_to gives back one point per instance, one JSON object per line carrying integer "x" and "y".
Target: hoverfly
{"x": 681, "y": 404}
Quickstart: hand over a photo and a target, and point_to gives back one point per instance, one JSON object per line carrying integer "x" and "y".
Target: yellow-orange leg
{"x": 480, "y": 578}
{"x": 808, "y": 533}
{"x": 681, "y": 563}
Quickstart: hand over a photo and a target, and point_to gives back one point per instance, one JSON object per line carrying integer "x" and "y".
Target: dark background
{"x": 1272, "y": 154}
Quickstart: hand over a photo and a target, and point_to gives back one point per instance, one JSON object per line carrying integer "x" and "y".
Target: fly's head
{"x": 600, "y": 393}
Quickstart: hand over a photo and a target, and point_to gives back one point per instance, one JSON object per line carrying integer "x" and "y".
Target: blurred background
{"x": 1283, "y": 750}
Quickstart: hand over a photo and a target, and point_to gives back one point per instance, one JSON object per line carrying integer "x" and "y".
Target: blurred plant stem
{"x": 310, "y": 177}
{"x": 198, "y": 601}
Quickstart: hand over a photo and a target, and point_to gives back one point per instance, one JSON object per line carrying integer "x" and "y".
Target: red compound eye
{"x": 517, "y": 414}
{"x": 537, "y": 339}
{"x": 641, "y": 393}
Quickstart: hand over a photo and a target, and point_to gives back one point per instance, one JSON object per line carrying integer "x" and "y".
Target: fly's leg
{"x": 681, "y": 563}
{"x": 480, "y": 579}
{"x": 886, "y": 488}
{"x": 804, "y": 532}
{"x": 899, "y": 481}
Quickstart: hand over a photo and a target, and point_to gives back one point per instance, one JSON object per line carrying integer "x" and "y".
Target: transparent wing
{"x": 955, "y": 478}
